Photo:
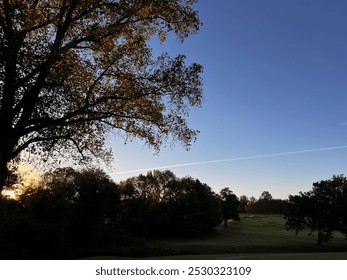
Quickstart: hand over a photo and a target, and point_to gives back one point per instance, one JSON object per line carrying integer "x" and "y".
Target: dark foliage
{"x": 322, "y": 210}
{"x": 68, "y": 210}
{"x": 73, "y": 71}
{"x": 74, "y": 214}
{"x": 161, "y": 204}
{"x": 230, "y": 205}
{"x": 264, "y": 205}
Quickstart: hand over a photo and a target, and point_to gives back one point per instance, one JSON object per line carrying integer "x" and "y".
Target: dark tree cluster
{"x": 68, "y": 210}
{"x": 83, "y": 213}
{"x": 266, "y": 204}
{"x": 322, "y": 210}
{"x": 161, "y": 204}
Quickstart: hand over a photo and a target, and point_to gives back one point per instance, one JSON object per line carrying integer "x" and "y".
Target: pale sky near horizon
{"x": 274, "y": 113}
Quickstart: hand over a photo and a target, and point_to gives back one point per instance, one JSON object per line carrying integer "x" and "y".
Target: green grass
{"x": 264, "y": 256}
{"x": 256, "y": 235}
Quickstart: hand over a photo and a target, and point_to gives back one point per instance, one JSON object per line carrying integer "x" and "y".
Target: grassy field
{"x": 255, "y": 237}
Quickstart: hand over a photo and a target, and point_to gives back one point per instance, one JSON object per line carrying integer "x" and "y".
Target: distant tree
{"x": 244, "y": 201}
{"x": 322, "y": 210}
{"x": 265, "y": 195}
{"x": 250, "y": 205}
{"x": 266, "y": 204}
{"x": 278, "y": 206}
{"x": 263, "y": 204}
{"x": 73, "y": 70}
{"x": 230, "y": 205}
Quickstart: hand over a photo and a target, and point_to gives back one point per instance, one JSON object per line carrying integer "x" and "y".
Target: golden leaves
{"x": 85, "y": 67}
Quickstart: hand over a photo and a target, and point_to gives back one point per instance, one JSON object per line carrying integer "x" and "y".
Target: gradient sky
{"x": 275, "y": 81}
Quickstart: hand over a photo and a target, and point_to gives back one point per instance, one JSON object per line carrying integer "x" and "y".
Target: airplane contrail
{"x": 231, "y": 159}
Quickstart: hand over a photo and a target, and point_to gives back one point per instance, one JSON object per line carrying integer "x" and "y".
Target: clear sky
{"x": 275, "y": 81}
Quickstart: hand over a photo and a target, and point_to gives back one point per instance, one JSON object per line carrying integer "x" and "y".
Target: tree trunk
{"x": 3, "y": 175}
{"x": 225, "y": 222}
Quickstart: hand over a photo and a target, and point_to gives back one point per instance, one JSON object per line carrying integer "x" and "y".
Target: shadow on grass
{"x": 256, "y": 236}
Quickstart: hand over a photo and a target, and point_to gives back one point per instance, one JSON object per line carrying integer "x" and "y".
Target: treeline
{"x": 74, "y": 214}
{"x": 265, "y": 204}
{"x": 79, "y": 213}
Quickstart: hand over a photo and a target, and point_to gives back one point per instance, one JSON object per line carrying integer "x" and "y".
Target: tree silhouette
{"x": 263, "y": 204}
{"x": 77, "y": 208}
{"x": 161, "y": 204}
{"x": 230, "y": 205}
{"x": 322, "y": 210}
{"x": 265, "y": 195}
{"x": 244, "y": 201}
{"x": 71, "y": 71}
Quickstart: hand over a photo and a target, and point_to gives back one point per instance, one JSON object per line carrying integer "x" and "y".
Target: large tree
{"x": 73, "y": 70}
{"x": 322, "y": 210}
{"x": 230, "y": 205}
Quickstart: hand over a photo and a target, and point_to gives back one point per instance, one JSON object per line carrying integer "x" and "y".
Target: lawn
{"x": 255, "y": 237}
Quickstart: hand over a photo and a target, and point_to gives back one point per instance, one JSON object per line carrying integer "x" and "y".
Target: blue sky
{"x": 275, "y": 81}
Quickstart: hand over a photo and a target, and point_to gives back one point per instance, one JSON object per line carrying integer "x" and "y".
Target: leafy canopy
{"x": 71, "y": 71}
{"x": 322, "y": 210}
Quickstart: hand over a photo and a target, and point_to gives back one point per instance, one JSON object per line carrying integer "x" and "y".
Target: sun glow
{"x": 28, "y": 177}
{"x": 29, "y": 174}
{"x": 10, "y": 194}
